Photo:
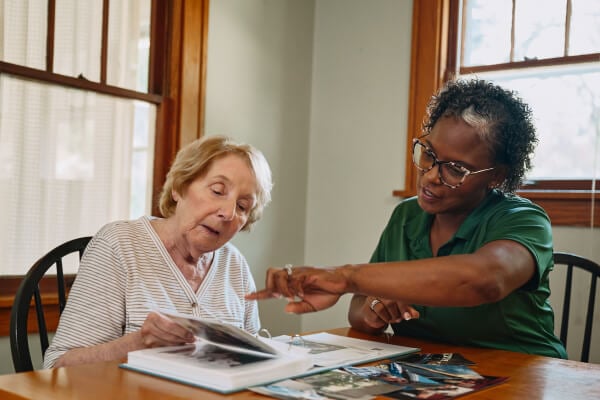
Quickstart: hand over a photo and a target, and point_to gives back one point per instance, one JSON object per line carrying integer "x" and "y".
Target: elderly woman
{"x": 182, "y": 262}
{"x": 465, "y": 261}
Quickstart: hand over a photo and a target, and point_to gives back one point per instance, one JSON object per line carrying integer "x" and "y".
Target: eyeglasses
{"x": 451, "y": 173}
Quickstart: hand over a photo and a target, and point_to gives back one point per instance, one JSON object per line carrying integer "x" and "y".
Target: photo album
{"x": 227, "y": 359}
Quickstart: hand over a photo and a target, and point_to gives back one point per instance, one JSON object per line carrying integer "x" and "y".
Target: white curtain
{"x": 65, "y": 164}
{"x": 70, "y": 160}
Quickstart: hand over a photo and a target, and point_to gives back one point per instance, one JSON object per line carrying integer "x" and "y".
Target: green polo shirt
{"x": 523, "y": 321}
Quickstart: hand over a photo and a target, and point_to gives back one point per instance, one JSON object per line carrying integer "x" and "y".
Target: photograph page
{"x": 224, "y": 335}
{"x": 331, "y": 351}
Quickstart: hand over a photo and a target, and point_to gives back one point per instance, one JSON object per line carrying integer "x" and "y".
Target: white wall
{"x": 258, "y": 91}
{"x": 321, "y": 87}
{"x": 361, "y": 74}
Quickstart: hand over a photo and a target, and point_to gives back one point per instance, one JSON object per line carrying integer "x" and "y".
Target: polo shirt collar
{"x": 474, "y": 218}
{"x": 417, "y": 228}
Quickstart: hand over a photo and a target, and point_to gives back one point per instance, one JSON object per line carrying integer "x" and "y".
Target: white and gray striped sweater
{"x": 126, "y": 271}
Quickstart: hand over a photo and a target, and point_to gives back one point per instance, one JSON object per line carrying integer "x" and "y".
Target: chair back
{"x": 571, "y": 262}
{"x": 28, "y": 289}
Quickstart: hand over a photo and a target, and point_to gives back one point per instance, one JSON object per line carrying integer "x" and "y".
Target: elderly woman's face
{"x": 452, "y": 139}
{"x": 217, "y": 205}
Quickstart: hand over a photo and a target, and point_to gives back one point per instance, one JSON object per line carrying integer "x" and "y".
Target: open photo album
{"x": 227, "y": 359}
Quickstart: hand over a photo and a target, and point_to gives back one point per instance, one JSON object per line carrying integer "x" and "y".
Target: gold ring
{"x": 288, "y": 269}
{"x": 374, "y": 302}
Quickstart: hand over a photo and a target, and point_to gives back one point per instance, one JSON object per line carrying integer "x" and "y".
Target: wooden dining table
{"x": 529, "y": 377}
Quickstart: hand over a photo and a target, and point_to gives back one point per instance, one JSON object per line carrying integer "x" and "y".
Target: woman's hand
{"x": 307, "y": 289}
{"x": 374, "y": 314}
{"x": 378, "y": 312}
{"x": 159, "y": 330}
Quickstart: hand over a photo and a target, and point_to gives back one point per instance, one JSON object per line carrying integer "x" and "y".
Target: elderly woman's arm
{"x": 157, "y": 330}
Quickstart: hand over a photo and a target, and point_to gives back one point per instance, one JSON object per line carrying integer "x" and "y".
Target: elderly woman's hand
{"x": 159, "y": 330}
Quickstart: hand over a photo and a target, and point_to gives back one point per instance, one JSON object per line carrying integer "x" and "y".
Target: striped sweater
{"x": 126, "y": 271}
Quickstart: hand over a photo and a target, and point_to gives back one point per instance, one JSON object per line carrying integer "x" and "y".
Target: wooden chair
{"x": 28, "y": 289}
{"x": 571, "y": 262}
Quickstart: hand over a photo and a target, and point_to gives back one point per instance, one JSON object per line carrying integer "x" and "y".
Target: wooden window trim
{"x": 433, "y": 61}
{"x": 429, "y": 57}
{"x": 76, "y": 83}
{"x": 544, "y": 62}
{"x": 180, "y": 119}
{"x": 179, "y": 39}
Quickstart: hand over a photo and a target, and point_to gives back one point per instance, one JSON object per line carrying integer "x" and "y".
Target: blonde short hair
{"x": 195, "y": 159}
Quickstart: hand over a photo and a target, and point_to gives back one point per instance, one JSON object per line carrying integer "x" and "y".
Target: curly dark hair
{"x": 501, "y": 117}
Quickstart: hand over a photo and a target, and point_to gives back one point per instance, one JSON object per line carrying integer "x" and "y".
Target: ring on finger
{"x": 374, "y": 302}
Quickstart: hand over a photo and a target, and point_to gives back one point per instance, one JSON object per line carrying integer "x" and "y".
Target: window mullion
{"x": 104, "y": 44}
{"x": 160, "y": 16}
{"x": 569, "y": 10}
{"x": 50, "y": 35}
{"x": 77, "y": 83}
{"x": 461, "y": 32}
{"x": 451, "y": 67}
{"x": 512, "y": 31}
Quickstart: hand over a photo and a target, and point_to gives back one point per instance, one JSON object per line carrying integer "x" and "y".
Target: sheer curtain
{"x": 70, "y": 160}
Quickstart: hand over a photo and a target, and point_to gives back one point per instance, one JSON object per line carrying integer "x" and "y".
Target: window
{"x": 93, "y": 108}
{"x": 552, "y": 60}
{"x": 74, "y": 157}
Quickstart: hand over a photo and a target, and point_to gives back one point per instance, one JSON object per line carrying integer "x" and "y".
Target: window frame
{"x": 178, "y": 38}
{"x": 434, "y": 61}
